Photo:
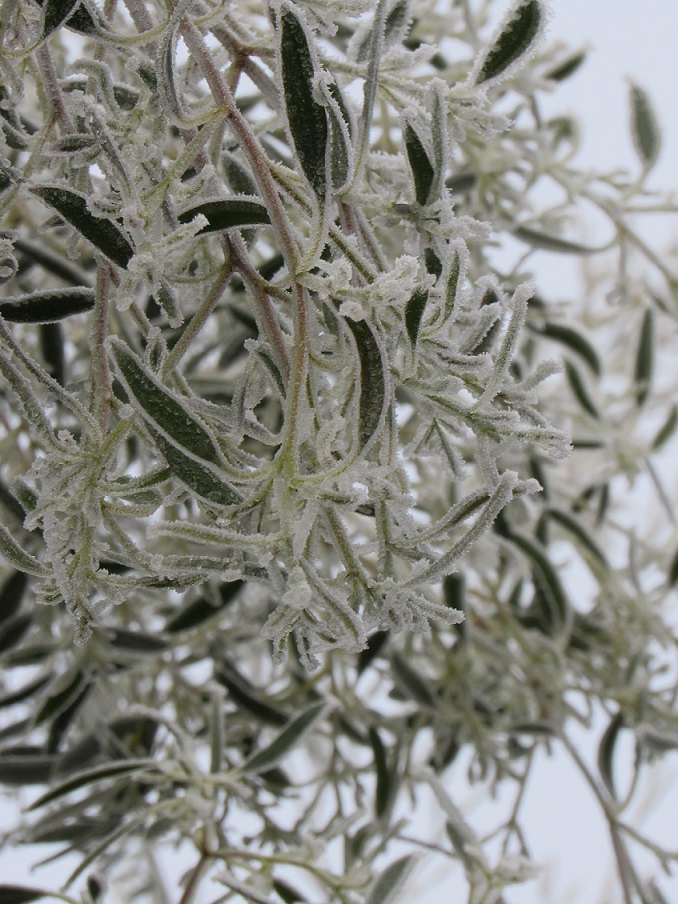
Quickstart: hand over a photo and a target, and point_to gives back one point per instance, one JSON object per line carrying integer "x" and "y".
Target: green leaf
{"x": 47, "y": 307}
{"x": 11, "y": 552}
{"x": 672, "y": 577}
{"x": 285, "y": 741}
{"x": 200, "y": 610}
{"x": 339, "y": 132}
{"x": 411, "y": 683}
{"x": 11, "y": 595}
{"x": 287, "y": 894}
{"x": 644, "y": 127}
{"x": 13, "y": 631}
{"x": 547, "y": 580}
{"x": 567, "y": 68}
{"x": 245, "y": 698}
{"x": 24, "y": 692}
{"x": 25, "y": 766}
{"x": 382, "y": 794}
{"x": 55, "y": 14}
{"x": 198, "y": 477}
{"x": 306, "y": 117}
{"x": 518, "y": 32}
{"x": 227, "y": 214}
{"x": 135, "y": 641}
{"x": 644, "y": 358}
{"x": 581, "y": 535}
{"x": 423, "y": 172}
{"x": 58, "y": 701}
{"x": 391, "y": 881}
{"x": 90, "y": 776}
{"x": 375, "y": 644}
{"x": 547, "y": 242}
{"x": 580, "y": 390}
{"x": 414, "y": 311}
{"x": 606, "y": 752}
{"x": 667, "y": 430}
{"x": 100, "y": 231}
{"x": 454, "y": 277}
{"x": 165, "y": 410}
{"x": 574, "y": 340}
{"x": 20, "y": 894}
{"x": 372, "y": 381}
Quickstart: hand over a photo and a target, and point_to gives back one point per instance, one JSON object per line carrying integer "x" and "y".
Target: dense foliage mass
{"x": 285, "y": 502}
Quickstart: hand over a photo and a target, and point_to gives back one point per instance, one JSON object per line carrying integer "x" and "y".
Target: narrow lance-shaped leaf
{"x": 21, "y": 894}
{"x": 88, "y": 777}
{"x": 198, "y": 477}
{"x": 382, "y": 794}
{"x": 100, "y": 231}
{"x": 411, "y": 683}
{"x": 516, "y": 36}
{"x": 47, "y": 307}
{"x": 574, "y": 340}
{"x": 500, "y": 497}
{"x": 13, "y": 553}
{"x": 227, "y": 214}
{"x": 580, "y": 389}
{"x": 580, "y": 534}
{"x": 567, "y": 68}
{"x": 306, "y": 117}
{"x": 340, "y": 137}
{"x": 509, "y": 343}
{"x": 606, "y": 751}
{"x": 372, "y": 382}
{"x": 391, "y": 881}
{"x": 285, "y": 741}
{"x": 547, "y": 242}
{"x": 644, "y": 358}
{"x": 414, "y": 311}
{"x": 644, "y": 127}
{"x": 59, "y": 700}
{"x": 667, "y": 429}
{"x": 163, "y": 408}
{"x": 11, "y": 594}
{"x": 247, "y": 699}
{"x": 420, "y": 164}
{"x": 547, "y": 581}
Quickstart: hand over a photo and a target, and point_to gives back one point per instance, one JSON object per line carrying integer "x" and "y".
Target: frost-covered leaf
{"x": 47, "y": 307}
{"x": 12, "y": 552}
{"x": 414, "y": 311}
{"x": 306, "y": 117}
{"x": 372, "y": 380}
{"x": 55, "y": 14}
{"x": 423, "y": 172}
{"x": 516, "y": 36}
{"x": 100, "y": 231}
{"x": 644, "y": 127}
{"x": 227, "y": 214}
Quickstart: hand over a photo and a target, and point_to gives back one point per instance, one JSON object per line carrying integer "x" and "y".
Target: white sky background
{"x": 632, "y": 39}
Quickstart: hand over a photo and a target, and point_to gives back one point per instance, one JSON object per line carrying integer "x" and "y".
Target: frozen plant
{"x": 268, "y": 408}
